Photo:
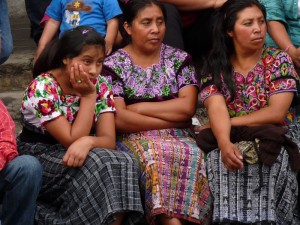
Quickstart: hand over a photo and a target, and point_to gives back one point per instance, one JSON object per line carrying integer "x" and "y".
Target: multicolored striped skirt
{"x": 174, "y": 180}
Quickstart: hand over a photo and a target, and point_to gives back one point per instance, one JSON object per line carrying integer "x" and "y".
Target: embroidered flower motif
{"x": 103, "y": 89}
{"x": 46, "y": 107}
{"x": 110, "y": 100}
{"x": 268, "y": 60}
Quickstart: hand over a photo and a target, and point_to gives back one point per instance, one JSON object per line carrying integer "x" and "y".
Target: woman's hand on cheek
{"x": 81, "y": 82}
{"x": 77, "y": 152}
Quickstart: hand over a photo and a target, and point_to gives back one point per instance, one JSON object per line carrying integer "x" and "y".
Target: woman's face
{"x": 91, "y": 58}
{"x": 147, "y": 29}
{"x": 249, "y": 31}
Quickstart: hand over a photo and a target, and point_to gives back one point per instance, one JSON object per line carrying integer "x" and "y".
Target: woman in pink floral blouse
{"x": 245, "y": 83}
{"x": 61, "y": 106}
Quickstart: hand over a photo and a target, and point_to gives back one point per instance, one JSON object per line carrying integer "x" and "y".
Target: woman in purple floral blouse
{"x": 155, "y": 93}
{"x": 245, "y": 83}
{"x": 61, "y": 106}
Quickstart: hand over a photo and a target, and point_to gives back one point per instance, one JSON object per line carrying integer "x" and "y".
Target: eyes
{"x": 149, "y": 22}
{"x": 90, "y": 61}
{"x": 249, "y": 23}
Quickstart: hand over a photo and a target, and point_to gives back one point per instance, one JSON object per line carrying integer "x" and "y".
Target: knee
{"x": 5, "y": 52}
{"x": 28, "y": 170}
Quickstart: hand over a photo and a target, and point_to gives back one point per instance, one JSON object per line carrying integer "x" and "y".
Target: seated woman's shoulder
{"x": 175, "y": 53}
{"x": 276, "y": 53}
{"x": 269, "y": 50}
{"x": 119, "y": 56}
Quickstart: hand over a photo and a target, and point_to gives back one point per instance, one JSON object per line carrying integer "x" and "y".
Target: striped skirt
{"x": 106, "y": 184}
{"x": 174, "y": 180}
{"x": 256, "y": 194}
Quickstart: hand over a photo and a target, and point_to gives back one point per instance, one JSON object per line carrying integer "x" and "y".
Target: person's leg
{"x": 20, "y": 183}
{"x": 173, "y": 36}
{"x": 6, "y": 42}
{"x": 35, "y": 12}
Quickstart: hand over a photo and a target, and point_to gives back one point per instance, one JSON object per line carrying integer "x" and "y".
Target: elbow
{"x": 190, "y": 111}
{"x": 278, "y": 118}
{"x": 112, "y": 145}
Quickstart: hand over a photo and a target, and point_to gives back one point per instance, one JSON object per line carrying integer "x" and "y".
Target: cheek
{"x": 264, "y": 29}
{"x": 243, "y": 34}
{"x": 99, "y": 68}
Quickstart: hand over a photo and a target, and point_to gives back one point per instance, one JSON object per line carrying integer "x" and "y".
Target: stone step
{"x": 15, "y": 73}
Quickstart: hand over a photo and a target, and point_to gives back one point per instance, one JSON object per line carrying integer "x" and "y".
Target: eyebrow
{"x": 261, "y": 17}
{"x": 150, "y": 18}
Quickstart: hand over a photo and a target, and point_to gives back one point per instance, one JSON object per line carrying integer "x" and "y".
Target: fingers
{"x": 108, "y": 48}
{"x": 232, "y": 158}
{"x": 70, "y": 161}
{"x": 108, "y": 51}
{"x": 78, "y": 76}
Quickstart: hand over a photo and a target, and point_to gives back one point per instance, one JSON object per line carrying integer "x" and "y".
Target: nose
{"x": 155, "y": 28}
{"x": 257, "y": 27}
{"x": 94, "y": 70}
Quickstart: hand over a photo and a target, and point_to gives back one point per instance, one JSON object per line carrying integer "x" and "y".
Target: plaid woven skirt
{"x": 256, "y": 194}
{"x": 174, "y": 180}
{"x": 107, "y": 183}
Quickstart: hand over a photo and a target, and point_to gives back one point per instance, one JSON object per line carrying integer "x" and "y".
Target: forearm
{"x": 130, "y": 122}
{"x": 103, "y": 142}
{"x": 178, "y": 109}
{"x": 174, "y": 110}
{"x": 279, "y": 34}
{"x": 260, "y": 117}
{"x": 84, "y": 119}
{"x": 112, "y": 31}
{"x": 48, "y": 34}
{"x": 219, "y": 119}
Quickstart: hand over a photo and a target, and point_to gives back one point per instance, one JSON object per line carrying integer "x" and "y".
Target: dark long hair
{"x": 218, "y": 61}
{"x": 132, "y": 8}
{"x": 69, "y": 45}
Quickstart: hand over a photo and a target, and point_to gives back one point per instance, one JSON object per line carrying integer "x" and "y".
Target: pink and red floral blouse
{"x": 44, "y": 101}
{"x": 274, "y": 73}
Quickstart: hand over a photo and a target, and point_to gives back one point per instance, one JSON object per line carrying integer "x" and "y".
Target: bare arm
{"x": 220, "y": 124}
{"x": 128, "y": 121}
{"x": 50, "y": 30}
{"x": 279, "y": 34}
{"x": 111, "y": 34}
{"x": 274, "y": 113}
{"x": 60, "y": 128}
{"x": 179, "y": 109}
{"x": 191, "y": 5}
{"x": 105, "y": 138}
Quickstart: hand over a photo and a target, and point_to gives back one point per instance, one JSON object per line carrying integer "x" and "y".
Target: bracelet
{"x": 288, "y": 47}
